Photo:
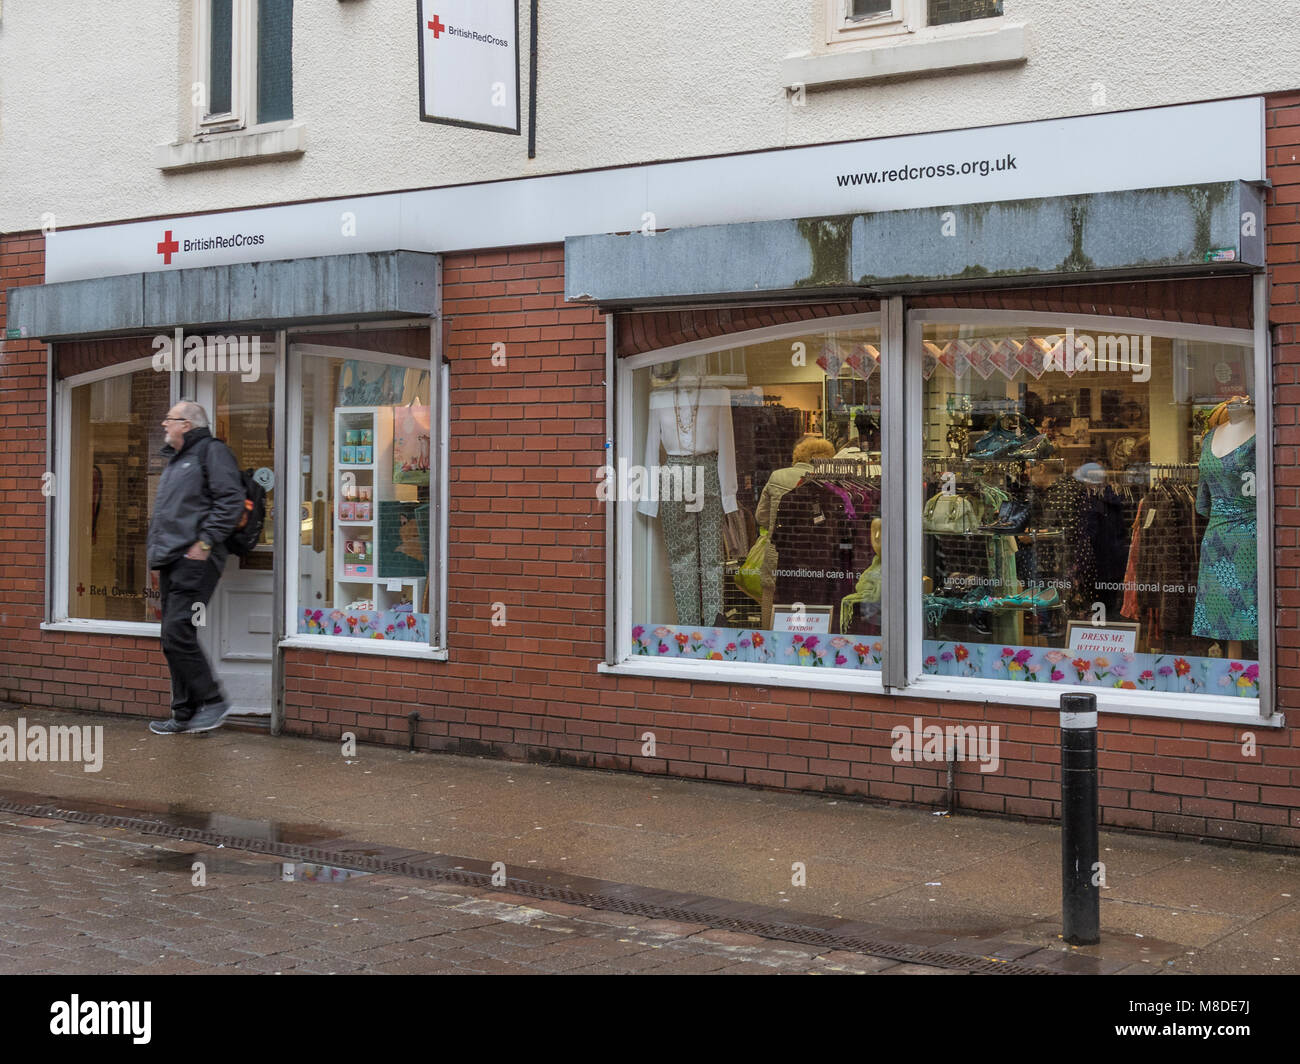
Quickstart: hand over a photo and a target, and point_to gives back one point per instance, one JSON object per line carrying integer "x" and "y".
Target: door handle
{"x": 318, "y": 526}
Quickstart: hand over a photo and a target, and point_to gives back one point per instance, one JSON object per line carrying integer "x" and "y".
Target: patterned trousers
{"x": 694, "y": 539}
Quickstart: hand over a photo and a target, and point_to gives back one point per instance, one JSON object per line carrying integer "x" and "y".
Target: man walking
{"x": 199, "y": 501}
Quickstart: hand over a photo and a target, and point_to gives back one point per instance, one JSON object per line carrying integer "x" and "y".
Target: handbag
{"x": 954, "y": 514}
{"x": 749, "y": 576}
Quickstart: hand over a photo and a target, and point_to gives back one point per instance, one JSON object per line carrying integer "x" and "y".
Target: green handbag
{"x": 749, "y": 577}
{"x": 953, "y": 514}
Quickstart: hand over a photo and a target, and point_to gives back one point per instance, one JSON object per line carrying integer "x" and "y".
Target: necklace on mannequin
{"x": 686, "y": 429}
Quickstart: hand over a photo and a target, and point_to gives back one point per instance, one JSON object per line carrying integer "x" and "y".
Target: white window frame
{"x": 61, "y": 618}
{"x": 905, "y": 16}
{"x": 625, "y": 573}
{"x": 902, "y": 514}
{"x": 301, "y": 348}
{"x": 242, "y": 115}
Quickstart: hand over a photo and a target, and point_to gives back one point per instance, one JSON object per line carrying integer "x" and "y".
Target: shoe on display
{"x": 209, "y": 717}
{"x": 994, "y": 443}
{"x": 170, "y": 726}
{"x": 1013, "y": 518}
{"x": 1032, "y": 450}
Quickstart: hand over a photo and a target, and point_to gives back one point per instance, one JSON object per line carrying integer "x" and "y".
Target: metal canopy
{"x": 373, "y": 285}
{"x": 1108, "y": 235}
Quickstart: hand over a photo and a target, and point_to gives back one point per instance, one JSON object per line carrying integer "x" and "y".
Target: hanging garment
{"x": 1067, "y": 507}
{"x": 819, "y": 541}
{"x": 1166, "y": 561}
{"x": 1227, "y": 601}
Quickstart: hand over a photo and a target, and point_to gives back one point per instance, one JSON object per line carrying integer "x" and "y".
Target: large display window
{"x": 1091, "y": 507}
{"x": 755, "y": 485}
{"x": 114, "y": 435}
{"x": 1073, "y": 503}
{"x": 365, "y": 497}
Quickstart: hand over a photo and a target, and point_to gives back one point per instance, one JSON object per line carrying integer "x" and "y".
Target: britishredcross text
{"x": 236, "y": 240}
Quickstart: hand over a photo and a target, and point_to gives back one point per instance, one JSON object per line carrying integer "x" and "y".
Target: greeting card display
{"x": 403, "y": 539}
{"x": 410, "y": 444}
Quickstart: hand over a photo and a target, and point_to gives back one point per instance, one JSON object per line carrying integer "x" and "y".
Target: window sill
{"x": 930, "y": 53}
{"x": 846, "y": 680}
{"x": 225, "y": 149}
{"x": 343, "y": 645}
{"x": 939, "y": 689}
{"x": 140, "y": 629}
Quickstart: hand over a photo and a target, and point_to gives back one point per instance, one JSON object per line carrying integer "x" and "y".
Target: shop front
{"x": 346, "y": 551}
{"x": 739, "y": 494}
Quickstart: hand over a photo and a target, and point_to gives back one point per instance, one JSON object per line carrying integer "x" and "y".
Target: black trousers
{"x": 181, "y": 584}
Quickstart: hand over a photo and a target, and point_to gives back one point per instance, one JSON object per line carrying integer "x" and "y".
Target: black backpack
{"x": 249, "y": 529}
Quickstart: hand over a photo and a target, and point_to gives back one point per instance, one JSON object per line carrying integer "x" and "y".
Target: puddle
{"x": 285, "y": 871}
{"x": 177, "y": 814}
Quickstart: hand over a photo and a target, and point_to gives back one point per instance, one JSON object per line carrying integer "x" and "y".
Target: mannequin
{"x": 692, "y": 422}
{"x": 868, "y": 585}
{"x": 1227, "y": 603}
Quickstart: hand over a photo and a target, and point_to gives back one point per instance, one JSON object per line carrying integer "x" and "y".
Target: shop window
{"x": 113, "y": 466}
{"x": 751, "y": 480}
{"x": 1090, "y": 514}
{"x": 366, "y": 478}
{"x": 244, "y": 56}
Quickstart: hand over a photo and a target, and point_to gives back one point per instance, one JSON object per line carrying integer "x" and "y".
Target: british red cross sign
{"x": 168, "y": 247}
{"x": 469, "y": 63}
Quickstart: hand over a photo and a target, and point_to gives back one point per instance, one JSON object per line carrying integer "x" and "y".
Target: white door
{"x": 238, "y": 637}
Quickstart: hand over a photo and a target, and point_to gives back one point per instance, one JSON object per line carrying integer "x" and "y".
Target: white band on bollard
{"x": 1079, "y": 720}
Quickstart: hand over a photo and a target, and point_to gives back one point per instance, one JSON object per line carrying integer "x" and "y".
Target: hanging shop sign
{"x": 469, "y": 63}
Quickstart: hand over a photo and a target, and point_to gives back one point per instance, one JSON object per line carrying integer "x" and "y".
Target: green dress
{"x": 1227, "y": 601}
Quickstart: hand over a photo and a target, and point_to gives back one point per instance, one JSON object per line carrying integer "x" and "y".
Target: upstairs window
{"x": 850, "y": 20}
{"x": 244, "y": 60}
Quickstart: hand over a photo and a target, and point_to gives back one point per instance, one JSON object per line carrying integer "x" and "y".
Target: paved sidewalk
{"x": 1171, "y": 906}
{"x": 79, "y": 901}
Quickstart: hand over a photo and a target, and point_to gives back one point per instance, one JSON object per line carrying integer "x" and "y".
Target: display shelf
{"x": 367, "y": 484}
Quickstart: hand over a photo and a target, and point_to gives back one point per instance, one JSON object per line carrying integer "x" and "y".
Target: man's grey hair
{"x": 193, "y": 413}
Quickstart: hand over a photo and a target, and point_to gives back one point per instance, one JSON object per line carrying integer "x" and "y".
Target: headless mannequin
{"x": 1239, "y": 427}
{"x": 1228, "y": 436}
{"x": 689, "y": 419}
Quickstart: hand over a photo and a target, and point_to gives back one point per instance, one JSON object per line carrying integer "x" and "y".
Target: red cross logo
{"x": 437, "y": 27}
{"x": 81, "y": 589}
{"x": 167, "y": 247}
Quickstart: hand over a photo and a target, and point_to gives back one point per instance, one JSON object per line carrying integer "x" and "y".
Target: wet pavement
{"x": 982, "y": 886}
{"x": 78, "y": 901}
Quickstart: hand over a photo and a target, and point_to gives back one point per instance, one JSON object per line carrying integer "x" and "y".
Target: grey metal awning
{"x": 371, "y": 285}
{"x": 1186, "y": 229}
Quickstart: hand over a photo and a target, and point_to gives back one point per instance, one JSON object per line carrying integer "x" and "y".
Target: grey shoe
{"x": 170, "y": 726}
{"x": 209, "y": 717}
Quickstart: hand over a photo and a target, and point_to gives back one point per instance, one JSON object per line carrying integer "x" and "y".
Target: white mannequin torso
{"x": 1239, "y": 428}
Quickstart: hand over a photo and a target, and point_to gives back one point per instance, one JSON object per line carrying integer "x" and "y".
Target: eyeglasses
{"x": 166, "y": 419}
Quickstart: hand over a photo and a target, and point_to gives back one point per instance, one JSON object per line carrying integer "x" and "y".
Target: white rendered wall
{"x": 88, "y": 90}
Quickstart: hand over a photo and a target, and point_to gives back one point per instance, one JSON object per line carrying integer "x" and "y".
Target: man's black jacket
{"x": 191, "y": 506}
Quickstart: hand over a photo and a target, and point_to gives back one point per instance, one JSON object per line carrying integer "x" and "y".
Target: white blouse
{"x": 710, "y": 431}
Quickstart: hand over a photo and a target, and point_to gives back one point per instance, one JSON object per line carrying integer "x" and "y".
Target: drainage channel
{"x": 615, "y": 897}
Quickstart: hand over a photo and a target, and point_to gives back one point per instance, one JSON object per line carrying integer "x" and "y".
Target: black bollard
{"x": 1080, "y": 898}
